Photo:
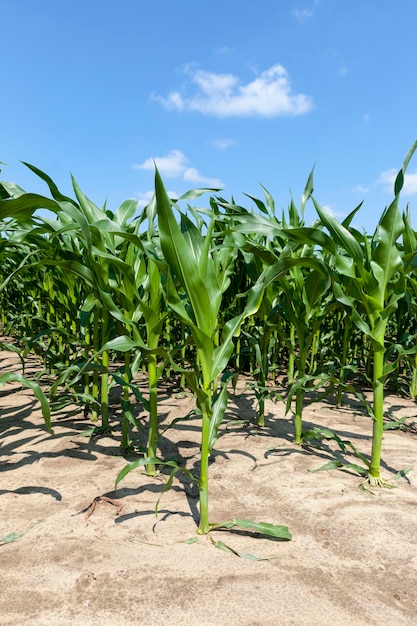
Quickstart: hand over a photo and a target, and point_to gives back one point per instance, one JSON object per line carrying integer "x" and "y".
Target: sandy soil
{"x": 352, "y": 559}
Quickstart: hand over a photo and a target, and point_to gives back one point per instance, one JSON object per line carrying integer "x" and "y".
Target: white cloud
{"x": 171, "y": 166}
{"x": 387, "y": 179}
{"x": 222, "y": 95}
{"x": 366, "y": 118}
{"x": 223, "y": 144}
{"x": 303, "y": 15}
{"x": 193, "y": 176}
{"x": 144, "y": 197}
{"x": 175, "y": 165}
{"x": 360, "y": 189}
{"x": 329, "y": 209}
{"x": 223, "y": 50}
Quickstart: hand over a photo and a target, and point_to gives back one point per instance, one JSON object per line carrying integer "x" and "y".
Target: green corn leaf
{"x": 248, "y": 223}
{"x": 76, "y": 268}
{"x": 341, "y": 235}
{"x": 316, "y": 285}
{"x": 183, "y": 264}
{"x": 281, "y": 267}
{"x": 10, "y": 190}
{"x": 386, "y": 259}
{"x": 219, "y": 407}
{"x": 193, "y": 237}
{"x": 313, "y": 236}
{"x": 11, "y": 377}
{"x": 124, "y": 343}
{"x": 23, "y": 207}
{"x": 398, "y": 424}
{"x": 125, "y": 212}
{"x": 263, "y": 528}
{"x": 270, "y": 202}
{"x": 197, "y": 192}
{"x": 347, "y": 221}
{"x": 10, "y": 538}
{"x": 56, "y": 194}
{"x": 308, "y": 191}
{"x": 202, "y": 340}
{"x": 399, "y": 181}
{"x": 409, "y": 236}
{"x": 247, "y": 557}
{"x": 91, "y": 211}
{"x": 151, "y": 461}
{"x": 221, "y": 354}
{"x": 261, "y": 205}
{"x": 9, "y": 347}
{"x": 134, "y": 465}
{"x": 168, "y": 484}
{"x": 339, "y": 464}
{"x": 136, "y": 392}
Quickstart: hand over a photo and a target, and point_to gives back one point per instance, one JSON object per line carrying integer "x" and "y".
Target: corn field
{"x": 200, "y": 290}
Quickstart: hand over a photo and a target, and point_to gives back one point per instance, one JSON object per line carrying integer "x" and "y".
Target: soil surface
{"x": 75, "y": 552}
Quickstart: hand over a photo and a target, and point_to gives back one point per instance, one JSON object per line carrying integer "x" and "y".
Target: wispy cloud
{"x": 172, "y": 165}
{"x": 176, "y": 165}
{"x": 223, "y": 50}
{"x": 331, "y": 211}
{"x": 303, "y": 15}
{"x": 268, "y": 95}
{"x": 387, "y": 179}
{"x": 223, "y": 144}
{"x": 360, "y": 189}
{"x": 144, "y": 197}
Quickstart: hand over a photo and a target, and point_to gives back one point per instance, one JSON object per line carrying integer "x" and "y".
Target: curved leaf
{"x": 25, "y": 382}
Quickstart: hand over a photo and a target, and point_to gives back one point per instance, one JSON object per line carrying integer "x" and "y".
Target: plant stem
{"x": 298, "y": 417}
{"x": 153, "y": 412}
{"x": 263, "y": 375}
{"x": 95, "y": 385}
{"x": 299, "y": 396}
{"x": 206, "y": 409}
{"x": 105, "y": 374}
{"x": 291, "y": 356}
{"x": 125, "y": 443}
{"x": 378, "y": 409}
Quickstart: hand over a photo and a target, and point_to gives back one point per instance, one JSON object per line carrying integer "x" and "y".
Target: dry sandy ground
{"x": 352, "y": 559}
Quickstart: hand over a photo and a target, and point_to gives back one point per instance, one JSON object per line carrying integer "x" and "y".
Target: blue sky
{"x": 229, "y": 94}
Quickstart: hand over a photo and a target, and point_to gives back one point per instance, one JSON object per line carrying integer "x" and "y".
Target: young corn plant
{"x": 406, "y": 314}
{"x": 301, "y": 284}
{"x": 9, "y": 210}
{"x": 194, "y": 289}
{"x": 370, "y": 282}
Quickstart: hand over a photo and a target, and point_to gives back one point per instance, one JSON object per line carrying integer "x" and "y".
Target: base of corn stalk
{"x": 377, "y": 481}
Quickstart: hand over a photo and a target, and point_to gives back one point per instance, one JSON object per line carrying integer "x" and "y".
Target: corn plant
{"x": 370, "y": 283}
{"x": 7, "y": 211}
{"x": 194, "y": 288}
{"x": 406, "y": 314}
{"x": 301, "y": 284}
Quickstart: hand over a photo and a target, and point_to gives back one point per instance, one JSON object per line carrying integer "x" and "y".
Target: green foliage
{"x": 204, "y": 294}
